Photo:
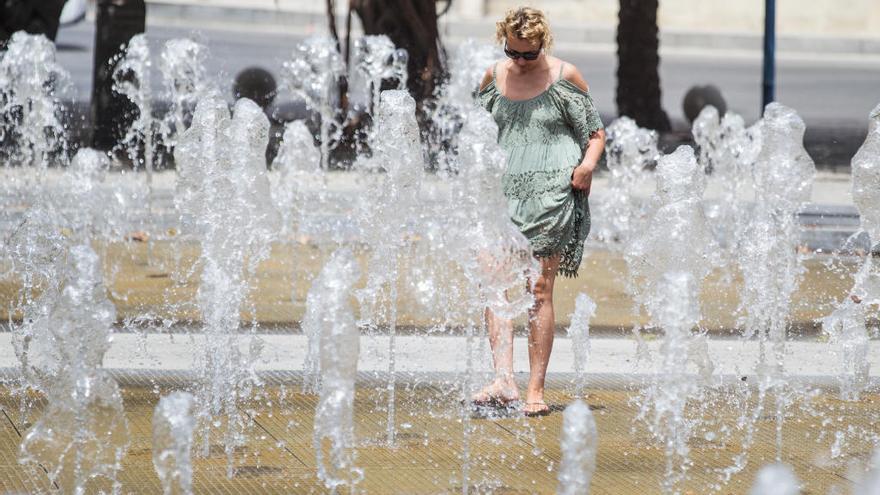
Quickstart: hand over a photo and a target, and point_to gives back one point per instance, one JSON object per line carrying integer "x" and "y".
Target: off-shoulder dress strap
{"x": 561, "y": 66}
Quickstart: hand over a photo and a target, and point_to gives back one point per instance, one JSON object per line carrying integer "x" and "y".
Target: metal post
{"x": 769, "y": 84}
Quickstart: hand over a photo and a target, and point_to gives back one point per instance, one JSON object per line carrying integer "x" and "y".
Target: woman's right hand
{"x": 582, "y": 178}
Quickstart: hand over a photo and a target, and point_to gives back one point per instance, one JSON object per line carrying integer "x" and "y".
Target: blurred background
{"x": 658, "y": 61}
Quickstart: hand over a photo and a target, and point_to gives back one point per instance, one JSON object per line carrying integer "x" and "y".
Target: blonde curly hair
{"x": 525, "y": 23}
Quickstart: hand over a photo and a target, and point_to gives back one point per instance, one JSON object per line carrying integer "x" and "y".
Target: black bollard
{"x": 257, "y": 84}
{"x": 117, "y": 21}
{"x": 699, "y": 97}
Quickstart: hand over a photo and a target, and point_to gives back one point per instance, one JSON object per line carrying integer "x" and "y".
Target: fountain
{"x": 846, "y": 326}
{"x": 775, "y": 479}
{"x": 579, "y": 445}
{"x": 374, "y": 60}
{"x": 394, "y": 200}
{"x": 629, "y": 150}
{"x": 82, "y": 434}
{"x": 32, "y": 84}
{"x": 579, "y": 333}
{"x": 436, "y": 251}
{"x": 665, "y": 400}
{"x": 676, "y": 237}
{"x": 131, "y": 78}
{"x": 313, "y": 74}
{"x": 301, "y": 185}
{"x": 669, "y": 261}
{"x": 455, "y": 100}
{"x": 768, "y": 255}
{"x": 728, "y": 151}
{"x": 338, "y": 341}
{"x": 223, "y": 195}
{"x": 185, "y": 78}
{"x": 173, "y": 427}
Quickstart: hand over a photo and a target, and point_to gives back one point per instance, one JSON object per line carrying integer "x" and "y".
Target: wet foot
{"x": 533, "y": 409}
{"x": 535, "y": 405}
{"x": 500, "y": 392}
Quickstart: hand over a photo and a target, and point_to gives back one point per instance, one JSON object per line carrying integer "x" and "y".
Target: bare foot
{"x": 535, "y": 405}
{"x": 533, "y": 409}
{"x": 500, "y": 390}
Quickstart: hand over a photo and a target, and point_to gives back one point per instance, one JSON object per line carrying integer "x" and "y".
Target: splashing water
{"x": 455, "y": 101}
{"x": 629, "y": 149}
{"x": 847, "y": 330}
{"x": 579, "y": 444}
{"x": 339, "y": 348}
{"x": 374, "y": 60}
{"x": 313, "y": 74}
{"x": 677, "y": 237}
{"x": 768, "y": 256}
{"x": 131, "y": 78}
{"x": 173, "y": 426}
{"x": 866, "y": 178}
{"x": 394, "y": 200}
{"x": 321, "y": 300}
{"x": 769, "y": 262}
{"x": 223, "y": 195}
{"x": 301, "y": 183}
{"x": 871, "y": 483}
{"x": 728, "y": 151}
{"x": 846, "y": 326}
{"x": 83, "y": 432}
{"x": 668, "y": 262}
{"x": 579, "y": 333}
{"x": 31, "y": 84}
{"x": 664, "y": 402}
{"x": 185, "y": 78}
{"x": 775, "y": 479}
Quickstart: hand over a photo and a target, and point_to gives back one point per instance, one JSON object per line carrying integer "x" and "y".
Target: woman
{"x": 554, "y": 138}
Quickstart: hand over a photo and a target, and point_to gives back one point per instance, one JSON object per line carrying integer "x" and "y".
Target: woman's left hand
{"x": 582, "y": 178}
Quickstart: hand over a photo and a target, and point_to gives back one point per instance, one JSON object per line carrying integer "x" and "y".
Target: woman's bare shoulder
{"x": 487, "y": 77}
{"x": 491, "y": 73}
{"x": 571, "y": 74}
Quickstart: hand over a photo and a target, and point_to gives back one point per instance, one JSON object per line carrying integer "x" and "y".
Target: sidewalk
{"x": 618, "y": 359}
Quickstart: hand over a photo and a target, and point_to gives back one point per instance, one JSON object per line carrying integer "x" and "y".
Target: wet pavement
{"x": 509, "y": 454}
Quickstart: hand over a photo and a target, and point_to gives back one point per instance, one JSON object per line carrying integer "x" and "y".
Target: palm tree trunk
{"x": 638, "y": 62}
{"x": 412, "y": 25}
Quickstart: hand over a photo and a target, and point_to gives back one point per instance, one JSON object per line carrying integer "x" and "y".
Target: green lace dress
{"x": 545, "y": 138}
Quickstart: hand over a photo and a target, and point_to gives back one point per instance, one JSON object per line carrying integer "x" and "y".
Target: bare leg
{"x": 503, "y": 388}
{"x": 542, "y": 323}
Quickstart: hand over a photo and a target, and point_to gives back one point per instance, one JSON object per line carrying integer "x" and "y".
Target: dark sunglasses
{"x": 525, "y": 55}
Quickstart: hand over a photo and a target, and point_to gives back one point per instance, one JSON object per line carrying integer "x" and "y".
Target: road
{"x": 826, "y": 92}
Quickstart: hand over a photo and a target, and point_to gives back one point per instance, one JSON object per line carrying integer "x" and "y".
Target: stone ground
{"x": 504, "y": 455}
